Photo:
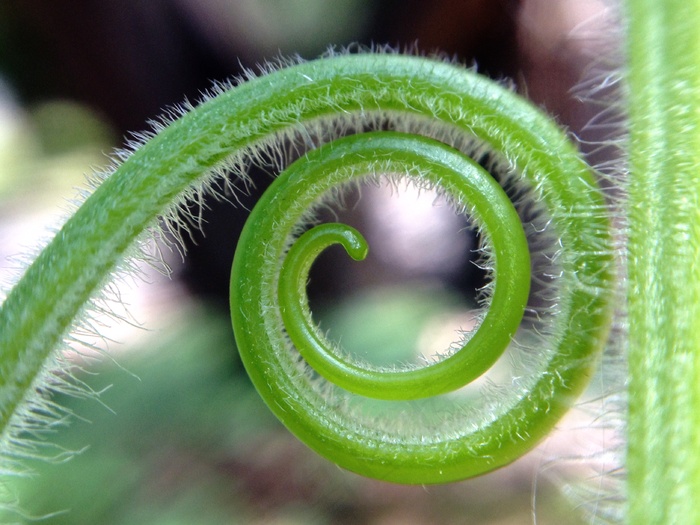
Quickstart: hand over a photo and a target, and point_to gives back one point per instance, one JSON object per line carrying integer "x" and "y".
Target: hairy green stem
{"x": 663, "y": 72}
{"x": 446, "y": 437}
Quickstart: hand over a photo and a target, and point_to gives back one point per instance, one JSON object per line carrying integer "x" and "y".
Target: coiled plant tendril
{"x": 405, "y": 425}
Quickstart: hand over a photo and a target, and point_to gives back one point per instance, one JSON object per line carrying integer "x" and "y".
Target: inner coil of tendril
{"x": 472, "y": 188}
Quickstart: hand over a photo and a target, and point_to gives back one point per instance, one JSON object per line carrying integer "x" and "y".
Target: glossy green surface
{"x": 433, "y": 164}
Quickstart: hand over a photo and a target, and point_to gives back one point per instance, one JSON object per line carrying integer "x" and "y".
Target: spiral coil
{"x": 405, "y": 425}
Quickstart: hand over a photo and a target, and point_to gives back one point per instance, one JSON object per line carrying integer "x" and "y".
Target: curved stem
{"x": 664, "y": 249}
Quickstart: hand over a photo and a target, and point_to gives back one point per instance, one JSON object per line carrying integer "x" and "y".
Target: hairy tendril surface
{"x": 403, "y": 425}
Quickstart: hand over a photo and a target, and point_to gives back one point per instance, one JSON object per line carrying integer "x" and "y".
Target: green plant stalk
{"x": 663, "y": 72}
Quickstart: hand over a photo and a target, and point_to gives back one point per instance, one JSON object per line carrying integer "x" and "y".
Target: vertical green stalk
{"x": 663, "y": 74}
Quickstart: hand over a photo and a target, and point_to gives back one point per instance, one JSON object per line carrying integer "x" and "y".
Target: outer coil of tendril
{"x": 270, "y": 309}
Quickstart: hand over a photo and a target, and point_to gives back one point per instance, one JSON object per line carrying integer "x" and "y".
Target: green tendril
{"x": 408, "y": 426}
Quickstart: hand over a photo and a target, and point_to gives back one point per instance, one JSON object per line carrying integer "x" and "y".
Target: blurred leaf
{"x": 383, "y": 326}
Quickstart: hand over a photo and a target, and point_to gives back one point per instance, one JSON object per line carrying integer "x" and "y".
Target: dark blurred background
{"x": 190, "y": 442}
{"x": 128, "y": 60}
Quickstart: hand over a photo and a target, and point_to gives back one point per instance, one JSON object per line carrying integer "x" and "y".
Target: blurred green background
{"x": 178, "y": 435}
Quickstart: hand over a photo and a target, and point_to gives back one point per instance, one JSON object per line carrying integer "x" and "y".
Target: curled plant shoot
{"x": 541, "y": 218}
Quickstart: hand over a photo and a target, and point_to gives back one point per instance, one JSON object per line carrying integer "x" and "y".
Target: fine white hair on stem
{"x": 591, "y": 471}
